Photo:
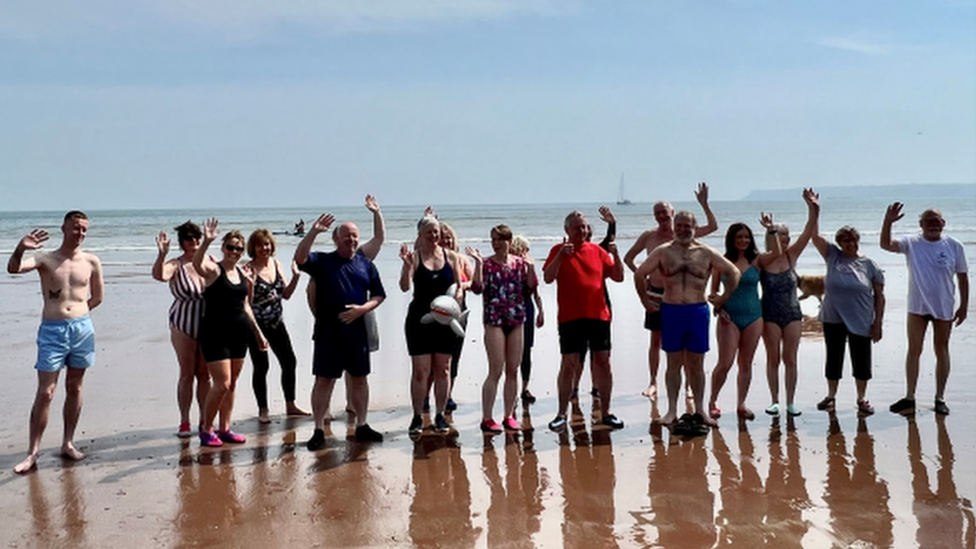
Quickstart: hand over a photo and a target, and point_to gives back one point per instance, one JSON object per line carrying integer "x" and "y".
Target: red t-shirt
{"x": 580, "y": 283}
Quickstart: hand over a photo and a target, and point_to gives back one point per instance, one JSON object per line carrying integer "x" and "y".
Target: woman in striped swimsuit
{"x": 184, "y": 318}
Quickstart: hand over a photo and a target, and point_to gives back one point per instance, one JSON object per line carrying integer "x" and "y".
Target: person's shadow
{"x": 945, "y": 521}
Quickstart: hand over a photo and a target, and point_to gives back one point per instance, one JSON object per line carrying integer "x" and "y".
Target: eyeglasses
{"x": 237, "y": 249}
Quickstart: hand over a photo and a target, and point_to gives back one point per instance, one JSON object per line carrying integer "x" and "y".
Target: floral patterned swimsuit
{"x": 504, "y": 293}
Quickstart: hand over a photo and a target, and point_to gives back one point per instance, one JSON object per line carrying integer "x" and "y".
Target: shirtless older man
{"x": 71, "y": 283}
{"x": 646, "y": 242}
{"x": 685, "y": 265}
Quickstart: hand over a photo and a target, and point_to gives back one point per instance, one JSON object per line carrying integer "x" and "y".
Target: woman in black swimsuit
{"x": 227, "y": 318}
{"x": 431, "y": 270}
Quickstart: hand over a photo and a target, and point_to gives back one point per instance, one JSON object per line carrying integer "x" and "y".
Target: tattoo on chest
{"x": 54, "y": 294}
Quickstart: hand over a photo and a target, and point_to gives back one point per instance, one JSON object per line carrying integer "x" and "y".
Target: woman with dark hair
{"x": 504, "y": 280}
{"x": 852, "y": 312}
{"x": 268, "y": 292}
{"x": 431, "y": 271}
{"x": 184, "y": 318}
{"x": 740, "y": 318}
{"x": 781, "y": 308}
{"x": 224, "y": 331}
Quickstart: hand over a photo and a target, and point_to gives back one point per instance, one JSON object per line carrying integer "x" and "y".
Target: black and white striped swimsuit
{"x": 187, "y": 308}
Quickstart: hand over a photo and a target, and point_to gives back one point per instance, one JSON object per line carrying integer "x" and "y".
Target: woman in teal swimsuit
{"x": 740, "y": 319}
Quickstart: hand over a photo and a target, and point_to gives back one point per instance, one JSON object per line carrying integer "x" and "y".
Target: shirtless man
{"x": 664, "y": 233}
{"x": 71, "y": 283}
{"x": 684, "y": 265}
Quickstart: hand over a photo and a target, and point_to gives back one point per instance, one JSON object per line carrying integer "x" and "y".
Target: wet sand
{"x": 818, "y": 480}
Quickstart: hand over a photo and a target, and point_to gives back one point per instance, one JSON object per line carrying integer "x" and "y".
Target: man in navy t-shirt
{"x": 347, "y": 287}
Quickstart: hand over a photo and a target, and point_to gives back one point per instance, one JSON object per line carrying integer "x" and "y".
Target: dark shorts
{"x": 428, "y": 339}
{"x": 225, "y": 340}
{"x": 684, "y": 327}
{"x": 835, "y": 335}
{"x": 652, "y": 321}
{"x": 576, "y": 336}
{"x": 341, "y": 350}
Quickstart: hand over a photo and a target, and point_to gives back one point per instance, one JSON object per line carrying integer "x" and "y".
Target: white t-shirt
{"x": 931, "y": 268}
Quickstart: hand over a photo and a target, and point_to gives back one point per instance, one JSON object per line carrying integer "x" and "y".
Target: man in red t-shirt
{"x": 581, "y": 269}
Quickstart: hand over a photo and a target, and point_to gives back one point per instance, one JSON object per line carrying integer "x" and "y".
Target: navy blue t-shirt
{"x": 340, "y": 281}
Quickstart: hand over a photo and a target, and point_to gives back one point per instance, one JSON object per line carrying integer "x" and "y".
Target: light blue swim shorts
{"x": 63, "y": 343}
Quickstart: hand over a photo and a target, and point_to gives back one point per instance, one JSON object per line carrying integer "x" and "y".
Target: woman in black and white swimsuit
{"x": 184, "y": 318}
{"x": 269, "y": 290}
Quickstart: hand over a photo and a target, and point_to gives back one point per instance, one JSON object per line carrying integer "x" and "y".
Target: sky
{"x": 110, "y": 104}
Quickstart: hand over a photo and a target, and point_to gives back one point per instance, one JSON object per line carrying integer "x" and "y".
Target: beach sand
{"x": 817, "y": 480}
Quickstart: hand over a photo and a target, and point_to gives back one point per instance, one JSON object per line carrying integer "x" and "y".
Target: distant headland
{"x": 900, "y": 192}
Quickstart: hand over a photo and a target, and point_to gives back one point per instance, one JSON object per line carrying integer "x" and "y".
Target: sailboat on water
{"x": 621, "y": 197}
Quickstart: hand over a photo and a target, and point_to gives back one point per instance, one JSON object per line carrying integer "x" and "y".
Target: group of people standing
{"x": 222, "y": 309}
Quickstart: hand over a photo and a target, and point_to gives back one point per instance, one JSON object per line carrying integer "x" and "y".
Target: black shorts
{"x": 428, "y": 339}
{"x": 652, "y": 321}
{"x": 576, "y": 336}
{"x": 225, "y": 340}
{"x": 341, "y": 350}
{"x": 835, "y": 335}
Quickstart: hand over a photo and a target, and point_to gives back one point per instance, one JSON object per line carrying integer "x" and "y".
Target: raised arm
{"x": 32, "y": 241}
{"x": 702, "y": 196}
{"x": 607, "y": 216}
{"x": 372, "y": 248}
{"x": 321, "y": 225}
{"x": 892, "y": 214}
{"x": 776, "y": 248}
{"x": 409, "y": 259}
{"x": 161, "y": 269}
{"x": 635, "y": 250}
{"x": 819, "y": 242}
{"x": 616, "y": 273}
{"x": 97, "y": 287}
{"x": 293, "y": 282}
{"x": 477, "y": 276}
{"x": 813, "y": 215}
{"x": 206, "y": 268}
{"x": 551, "y": 270}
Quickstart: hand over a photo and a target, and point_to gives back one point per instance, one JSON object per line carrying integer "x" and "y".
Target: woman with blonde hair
{"x": 266, "y": 303}
{"x": 534, "y": 317}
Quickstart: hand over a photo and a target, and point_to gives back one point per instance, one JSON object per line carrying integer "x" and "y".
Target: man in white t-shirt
{"x": 932, "y": 259}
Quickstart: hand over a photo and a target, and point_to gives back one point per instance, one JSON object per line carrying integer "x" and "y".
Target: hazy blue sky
{"x": 171, "y": 103}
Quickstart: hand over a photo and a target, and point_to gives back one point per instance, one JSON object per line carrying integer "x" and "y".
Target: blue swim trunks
{"x": 684, "y": 327}
{"x": 63, "y": 343}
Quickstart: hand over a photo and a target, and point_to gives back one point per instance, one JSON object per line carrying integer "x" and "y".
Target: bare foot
{"x": 30, "y": 462}
{"x": 69, "y": 451}
{"x": 668, "y": 419}
{"x": 709, "y": 421}
{"x": 263, "y": 416}
{"x": 651, "y": 391}
{"x": 296, "y": 411}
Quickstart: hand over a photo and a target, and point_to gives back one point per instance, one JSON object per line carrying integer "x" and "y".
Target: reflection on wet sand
{"x": 856, "y": 496}
{"x": 786, "y": 489}
{"x": 944, "y": 520}
{"x": 440, "y": 512}
{"x": 588, "y": 477}
{"x": 209, "y": 511}
{"x": 72, "y": 532}
{"x": 740, "y": 518}
{"x": 515, "y": 504}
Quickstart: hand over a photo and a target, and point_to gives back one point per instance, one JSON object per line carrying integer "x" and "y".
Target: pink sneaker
{"x": 231, "y": 437}
{"x": 490, "y": 426}
{"x": 184, "y": 431}
{"x": 208, "y": 438}
{"x": 511, "y": 425}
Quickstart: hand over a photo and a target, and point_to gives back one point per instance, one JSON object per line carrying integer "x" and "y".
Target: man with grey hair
{"x": 932, "y": 260}
{"x": 581, "y": 269}
{"x": 347, "y": 287}
{"x": 685, "y": 266}
{"x": 646, "y": 242}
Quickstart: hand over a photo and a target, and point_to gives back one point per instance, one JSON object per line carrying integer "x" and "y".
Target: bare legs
{"x": 653, "y": 363}
{"x": 568, "y": 367}
{"x": 220, "y": 398}
{"x": 192, "y": 366}
{"x": 440, "y": 364}
{"x": 782, "y": 343}
{"x": 942, "y": 329}
{"x": 693, "y": 364}
{"x": 730, "y": 340}
{"x": 504, "y": 353}
{"x": 603, "y": 379}
{"x": 47, "y": 382}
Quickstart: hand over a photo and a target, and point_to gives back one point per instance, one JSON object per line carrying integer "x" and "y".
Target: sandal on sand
{"x": 773, "y": 409}
{"x": 745, "y": 413}
{"x": 827, "y": 404}
{"x": 864, "y": 407}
